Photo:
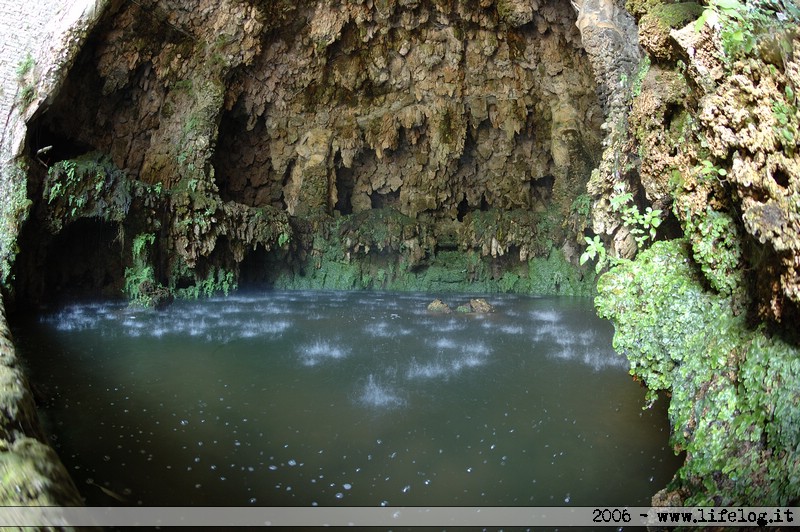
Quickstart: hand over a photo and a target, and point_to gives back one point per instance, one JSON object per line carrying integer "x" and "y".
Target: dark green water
{"x": 328, "y": 398}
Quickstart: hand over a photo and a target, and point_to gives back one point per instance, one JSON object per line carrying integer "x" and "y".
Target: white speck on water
{"x": 340, "y": 495}
{"x": 347, "y": 486}
{"x": 273, "y": 467}
{"x": 292, "y": 462}
{"x": 407, "y": 488}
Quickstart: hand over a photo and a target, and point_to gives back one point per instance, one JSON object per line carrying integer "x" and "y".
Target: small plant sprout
{"x": 594, "y": 249}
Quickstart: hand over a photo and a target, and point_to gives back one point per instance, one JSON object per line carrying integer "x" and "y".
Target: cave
{"x": 83, "y": 262}
{"x": 489, "y": 113}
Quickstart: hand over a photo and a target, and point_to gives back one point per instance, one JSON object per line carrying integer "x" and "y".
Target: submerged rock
{"x": 475, "y": 306}
{"x": 480, "y": 306}
{"x": 438, "y": 306}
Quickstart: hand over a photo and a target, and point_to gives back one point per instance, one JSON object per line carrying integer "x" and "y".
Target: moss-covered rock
{"x": 733, "y": 387}
{"x": 656, "y": 23}
{"x": 30, "y": 471}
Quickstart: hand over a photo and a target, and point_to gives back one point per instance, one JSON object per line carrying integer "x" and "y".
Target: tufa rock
{"x": 480, "y": 306}
{"x": 438, "y": 306}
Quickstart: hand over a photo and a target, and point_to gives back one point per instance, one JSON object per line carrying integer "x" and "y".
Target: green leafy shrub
{"x": 595, "y": 249}
{"x": 742, "y": 25}
{"x": 715, "y": 240}
{"x": 643, "y": 226}
{"x": 217, "y": 281}
{"x": 734, "y": 390}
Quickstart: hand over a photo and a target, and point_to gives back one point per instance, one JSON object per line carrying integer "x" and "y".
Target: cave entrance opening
{"x": 83, "y": 261}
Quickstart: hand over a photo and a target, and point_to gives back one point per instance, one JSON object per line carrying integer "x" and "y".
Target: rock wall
{"x": 31, "y": 471}
{"x": 236, "y": 127}
{"x": 38, "y": 41}
{"x": 710, "y": 316}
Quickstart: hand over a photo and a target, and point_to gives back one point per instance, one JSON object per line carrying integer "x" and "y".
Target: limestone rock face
{"x": 243, "y": 122}
{"x": 719, "y": 149}
{"x": 421, "y": 106}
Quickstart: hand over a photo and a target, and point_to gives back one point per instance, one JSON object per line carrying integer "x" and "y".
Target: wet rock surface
{"x": 475, "y": 125}
{"x": 31, "y": 471}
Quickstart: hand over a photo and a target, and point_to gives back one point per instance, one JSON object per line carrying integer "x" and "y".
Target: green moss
{"x": 84, "y": 187}
{"x": 734, "y": 389}
{"x": 13, "y": 212}
{"x": 638, "y": 8}
{"x": 371, "y": 250}
{"x": 554, "y": 275}
{"x": 674, "y": 16}
{"x": 32, "y": 475}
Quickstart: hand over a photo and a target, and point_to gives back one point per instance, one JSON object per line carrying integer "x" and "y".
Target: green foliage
{"x": 25, "y": 66}
{"x": 582, "y": 205}
{"x": 785, "y": 113}
{"x": 140, "y": 273}
{"x": 140, "y": 244}
{"x": 743, "y": 25}
{"x": 88, "y": 186}
{"x": 135, "y": 277}
{"x": 217, "y": 281}
{"x": 643, "y": 226}
{"x": 26, "y": 95}
{"x": 707, "y": 170}
{"x": 27, "y": 91}
{"x": 715, "y": 240}
{"x": 13, "y": 212}
{"x": 594, "y": 249}
{"x": 734, "y": 390}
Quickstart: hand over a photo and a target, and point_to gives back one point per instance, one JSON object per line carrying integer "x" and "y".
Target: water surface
{"x": 333, "y": 398}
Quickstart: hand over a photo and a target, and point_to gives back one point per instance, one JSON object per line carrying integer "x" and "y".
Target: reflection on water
{"x": 309, "y": 398}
